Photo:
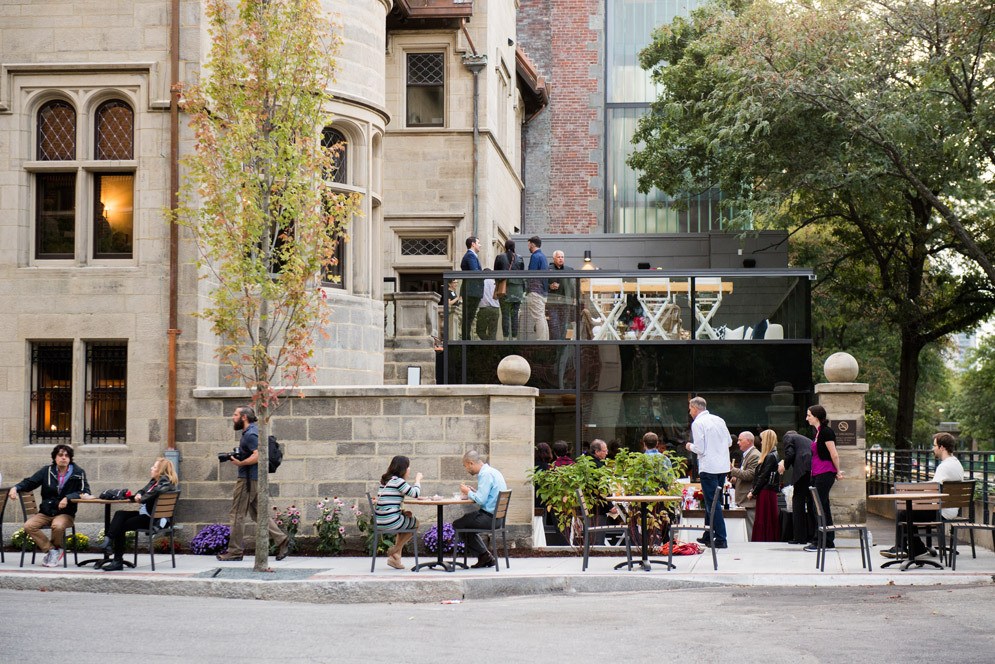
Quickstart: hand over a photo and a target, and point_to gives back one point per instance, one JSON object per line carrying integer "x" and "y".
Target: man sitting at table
{"x": 490, "y": 482}
{"x": 948, "y": 470}
{"x": 60, "y": 483}
{"x": 651, "y": 445}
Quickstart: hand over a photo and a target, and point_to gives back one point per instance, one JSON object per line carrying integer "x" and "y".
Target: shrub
{"x": 329, "y": 528}
{"x": 288, "y": 522}
{"x": 211, "y": 539}
{"x": 162, "y": 545}
{"x": 77, "y": 542}
{"x": 430, "y": 540}
{"x": 20, "y": 537}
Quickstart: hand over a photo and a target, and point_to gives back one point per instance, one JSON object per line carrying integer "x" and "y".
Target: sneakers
{"x": 54, "y": 557}
{"x": 815, "y": 547}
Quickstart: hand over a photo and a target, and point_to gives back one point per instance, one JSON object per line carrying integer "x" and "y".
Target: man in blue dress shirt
{"x": 490, "y": 482}
{"x": 536, "y": 327}
{"x": 473, "y": 289}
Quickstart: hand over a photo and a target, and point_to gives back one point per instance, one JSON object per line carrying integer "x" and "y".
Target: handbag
{"x": 501, "y": 290}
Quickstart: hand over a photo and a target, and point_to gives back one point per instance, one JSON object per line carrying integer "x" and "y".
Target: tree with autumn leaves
{"x": 256, "y": 197}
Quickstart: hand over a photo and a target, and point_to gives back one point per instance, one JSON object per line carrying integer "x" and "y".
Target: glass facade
{"x": 629, "y": 27}
{"x": 621, "y": 353}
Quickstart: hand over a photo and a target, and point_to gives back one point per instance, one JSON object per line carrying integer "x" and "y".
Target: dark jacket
{"x": 470, "y": 263}
{"x": 798, "y": 455}
{"x": 565, "y": 291}
{"x": 516, "y": 287}
{"x": 47, "y": 478}
{"x": 154, "y": 488}
{"x": 766, "y": 476}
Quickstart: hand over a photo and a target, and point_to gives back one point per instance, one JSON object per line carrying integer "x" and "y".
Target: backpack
{"x": 275, "y": 454}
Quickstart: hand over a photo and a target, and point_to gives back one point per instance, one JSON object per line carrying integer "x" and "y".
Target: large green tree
{"x": 825, "y": 113}
{"x": 255, "y": 196}
{"x": 976, "y": 394}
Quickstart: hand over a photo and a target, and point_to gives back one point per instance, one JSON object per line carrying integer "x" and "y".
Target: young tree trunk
{"x": 262, "y": 504}
{"x": 908, "y": 379}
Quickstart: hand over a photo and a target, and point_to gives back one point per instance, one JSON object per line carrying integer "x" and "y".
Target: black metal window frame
{"x": 106, "y": 402}
{"x": 51, "y": 388}
{"x": 333, "y": 138}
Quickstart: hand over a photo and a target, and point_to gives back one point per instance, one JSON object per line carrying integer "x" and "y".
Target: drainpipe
{"x": 475, "y": 63}
{"x": 174, "y": 239}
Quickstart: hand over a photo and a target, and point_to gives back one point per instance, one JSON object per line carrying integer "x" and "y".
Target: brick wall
{"x": 564, "y": 189}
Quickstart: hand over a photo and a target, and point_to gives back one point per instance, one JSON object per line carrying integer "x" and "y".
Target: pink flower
{"x": 279, "y": 522}
{"x": 294, "y": 521}
{"x": 328, "y": 517}
{"x": 320, "y": 506}
{"x": 341, "y": 529}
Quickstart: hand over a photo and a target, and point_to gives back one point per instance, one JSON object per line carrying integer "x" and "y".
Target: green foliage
{"x": 976, "y": 394}
{"x": 329, "y": 528}
{"x": 129, "y": 538}
{"x": 78, "y": 542}
{"x": 19, "y": 538}
{"x": 289, "y": 521}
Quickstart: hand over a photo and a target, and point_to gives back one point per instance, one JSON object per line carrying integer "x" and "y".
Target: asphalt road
{"x": 741, "y": 625}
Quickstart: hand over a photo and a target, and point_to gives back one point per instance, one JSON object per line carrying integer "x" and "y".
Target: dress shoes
{"x": 107, "y": 546}
{"x": 720, "y": 544}
{"x": 283, "y": 550}
{"x": 704, "y": 539}
{"x": 483, "y": 561}
{"x": 227, "y": 557}
{"x": 114, "y": 566}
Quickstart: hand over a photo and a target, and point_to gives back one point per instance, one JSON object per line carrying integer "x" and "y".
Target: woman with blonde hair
{"x": 766, "y": 527}
{"x": 163, "y": 479}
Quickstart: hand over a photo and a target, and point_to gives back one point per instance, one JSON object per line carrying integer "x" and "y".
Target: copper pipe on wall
{"x": 174, "y": 237}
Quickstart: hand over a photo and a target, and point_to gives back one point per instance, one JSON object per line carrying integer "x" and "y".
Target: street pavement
{"x": 348, "y": 579}
{"x": 724, "y": 624}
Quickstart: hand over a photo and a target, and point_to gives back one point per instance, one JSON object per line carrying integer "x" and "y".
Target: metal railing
{"x": 885, "y": 466}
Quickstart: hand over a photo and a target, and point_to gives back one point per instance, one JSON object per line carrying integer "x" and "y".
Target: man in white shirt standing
{"x": 948, "y": 470}
{"x": 711, "y": 441}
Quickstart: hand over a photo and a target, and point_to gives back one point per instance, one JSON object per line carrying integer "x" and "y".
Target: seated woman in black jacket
{"x": 163, "y": 479}
{"x": 766, "y": 480}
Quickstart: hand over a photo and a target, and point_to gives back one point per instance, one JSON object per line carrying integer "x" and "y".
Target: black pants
{"x": 478, "y": 519}
{"x": 900, "y": 521}
{"x": 122, "y": 522}
{"x": 470, "y": 305}
{"x": 824, "y": 483}
{"x": 509, "y": 318}
{"x": 802, "y": 510}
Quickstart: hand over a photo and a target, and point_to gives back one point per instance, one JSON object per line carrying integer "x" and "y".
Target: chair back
{"x": 501, "y": 511}
{"x": 3, "y": 504}
{"x": 28, "y": 505}
{"x": 961, "y": 496}
{"x": 165, "y": 505}
{"x": 924, "y": 505}
{"x": 373, "y": 507}
{"x": 820, "y": 516}
{"x": 581, "y": 511}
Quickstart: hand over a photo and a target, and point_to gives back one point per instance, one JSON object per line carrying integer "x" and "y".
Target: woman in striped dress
{"x": 394, "y": 488}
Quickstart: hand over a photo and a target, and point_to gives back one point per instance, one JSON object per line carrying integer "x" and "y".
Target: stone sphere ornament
{"x": 841, "y": 368}
{"x": 514, "y": 370}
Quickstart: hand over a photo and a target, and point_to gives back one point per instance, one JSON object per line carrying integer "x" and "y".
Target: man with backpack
{"x": 245, "y": 498}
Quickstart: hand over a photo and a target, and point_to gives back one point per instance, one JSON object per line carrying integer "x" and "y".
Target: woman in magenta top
{"x": 825, "y": 467}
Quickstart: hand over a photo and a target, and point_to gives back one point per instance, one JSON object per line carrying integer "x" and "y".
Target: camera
{"x": 228, "y": 456}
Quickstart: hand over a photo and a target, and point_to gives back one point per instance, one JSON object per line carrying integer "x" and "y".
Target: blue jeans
{"x": 710, "y": 483}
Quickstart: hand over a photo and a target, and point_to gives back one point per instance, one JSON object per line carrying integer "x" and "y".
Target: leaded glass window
{"x": 426, "y": 89}
{"x": 57, "y": 132}
{"x": 424, "y": 246}
{"x": 334, "y": 140}
{"x": 115, "y": 131}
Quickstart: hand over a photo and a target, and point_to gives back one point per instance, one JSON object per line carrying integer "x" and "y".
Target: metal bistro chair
{"x": 590, "y": 531}
{"x": 379, "y": 533}
{"x": 961, "y": 496}
{"x": 822, "y": 530}
{"x": 971, "y": 527}
{"x": 498, "y": 524}
{"x": 29, "y": 508}
{"x": 709, "y": 528}
{"x": 163, "y": 506}
{"x": 931, "y": 525}
{"x": 3, "y": 508}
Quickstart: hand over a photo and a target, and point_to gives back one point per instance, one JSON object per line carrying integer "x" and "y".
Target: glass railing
{"x": 643, "y": 306}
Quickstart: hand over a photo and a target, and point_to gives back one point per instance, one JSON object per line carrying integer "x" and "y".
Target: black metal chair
{"x": 822, "y": 530}
{"x": 971, "y": 527}
{"x": 933, "y": 524}
{"x": 163, "y": 506}
{"x": 497, "y": 526}
{"x": 379, "y": 533}
{"x": 961, "y": 496}
{"x": 29, "y": 508}
{"x": 708, "y": 528}
{"x": 591, "y": 531}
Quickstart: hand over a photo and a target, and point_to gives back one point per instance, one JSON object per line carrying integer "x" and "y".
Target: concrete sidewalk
{"x": 348, "y": 579}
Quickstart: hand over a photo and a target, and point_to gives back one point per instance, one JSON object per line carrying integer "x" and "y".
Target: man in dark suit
{"x": 798, "y": 455}
{"x": 473, "y": 289}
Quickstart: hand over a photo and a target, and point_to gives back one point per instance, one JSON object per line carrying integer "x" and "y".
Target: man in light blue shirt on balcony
{"x": 490, "y": 482}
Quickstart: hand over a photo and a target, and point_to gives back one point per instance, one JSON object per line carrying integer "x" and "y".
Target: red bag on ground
{"x": 682, "y": 549}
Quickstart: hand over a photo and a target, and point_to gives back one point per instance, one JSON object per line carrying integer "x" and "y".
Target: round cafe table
{"x": 440, "y": 503}
{"x": 100, "y": 562}
{"x": 909, "y": 497}
{"x": 645, "y": 563}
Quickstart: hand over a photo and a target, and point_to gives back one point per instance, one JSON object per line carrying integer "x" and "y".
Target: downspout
{"x": 174, "y": 239}
{"x": 475, "y": 63}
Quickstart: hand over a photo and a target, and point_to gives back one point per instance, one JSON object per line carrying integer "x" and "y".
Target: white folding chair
{"x": 607, "y": 295}
{"x": 653, "y": 294}
{"x": 707, "y": 299}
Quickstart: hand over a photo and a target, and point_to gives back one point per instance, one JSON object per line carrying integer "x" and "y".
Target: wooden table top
{"x": 438, "y": 501}
{"x": 649, "y": 287}
{"x": 102, "y": 501}
{"x": 644, "y": 499}
{"x": 909, "y": 495}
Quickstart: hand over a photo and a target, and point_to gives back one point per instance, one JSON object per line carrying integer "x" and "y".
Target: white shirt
{"x": 487, "y": 299}
{"x": 949, "y": 470}
{"x": 711, "y": 441}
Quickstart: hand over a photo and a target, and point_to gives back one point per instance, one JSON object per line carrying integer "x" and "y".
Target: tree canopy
{"x": 844, "y": 115}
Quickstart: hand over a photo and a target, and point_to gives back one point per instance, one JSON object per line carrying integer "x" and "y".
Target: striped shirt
{"x": 389, "y": 499}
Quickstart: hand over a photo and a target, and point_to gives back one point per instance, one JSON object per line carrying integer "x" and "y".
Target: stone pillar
{"x": 416, "y": 326}
{"x": 843, "y": 400}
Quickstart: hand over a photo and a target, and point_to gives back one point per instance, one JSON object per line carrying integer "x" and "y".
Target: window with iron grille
{"x": 334, "y": 140}
{"x": 51, "y": 392}
{"x": 424, "y": 246}
{"x": 106, "y": 392}
{"x": 333, "y": 275}
{"x": 426, "y": 89}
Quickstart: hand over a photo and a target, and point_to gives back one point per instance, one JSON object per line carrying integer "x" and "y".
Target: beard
{"x": 239, "y": 425}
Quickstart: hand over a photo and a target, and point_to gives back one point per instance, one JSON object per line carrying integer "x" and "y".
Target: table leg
{"x": 440, "y": 561}
{"x": 100, "y": 562}
{"x": 913, "y": 558}
{"x": 645, "y": 563}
